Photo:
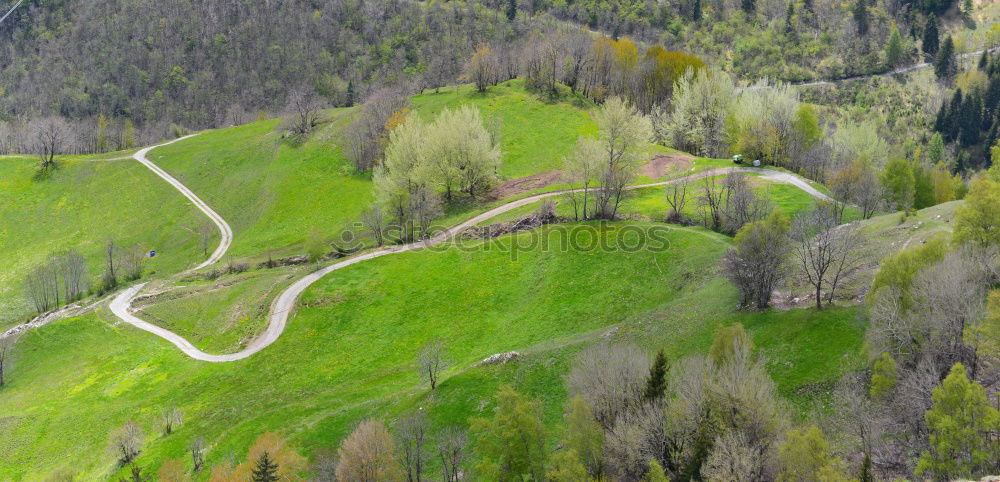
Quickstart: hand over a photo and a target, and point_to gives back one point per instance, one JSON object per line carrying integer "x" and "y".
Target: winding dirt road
{"x": 284, "y": 304}
{"x": 227, "y": 233}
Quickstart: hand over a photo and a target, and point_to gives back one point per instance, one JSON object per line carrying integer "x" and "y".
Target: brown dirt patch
{"x": 513, "y": 187}
{"x": 662, "y": 164}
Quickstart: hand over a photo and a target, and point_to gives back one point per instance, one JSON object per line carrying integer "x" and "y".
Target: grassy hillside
{"x": 535, "y": 136}
{"x": 350, "y": 350}
{"x": 275, "y": 193}
{"x": 81, "y": 206}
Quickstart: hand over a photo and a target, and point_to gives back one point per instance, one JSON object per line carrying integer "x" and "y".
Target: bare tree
{"x": 412, "y": 433}
{"x": 39, "y": 288}
{"x": 859, "y": 184}
{"x": 451, "y": 447}
{"x": 636, "y": 438}
{"x": 712, "y": 201}
{"x": 741, "y": 204}
{"x": 611, "y": 378}
{"x": 127, "y": 442}
{"x": 205, "y": 231}
{"x": 197, "y": 450}
{"x": 677, "y": 199}
{"x": 324, "y": 466}
{"x": 74, "y": 275}
{"x": 6, "y": 351}
{"x": 133, "y": 262}
{"x": 431, "y": 362}
{"x": 366, "y": 134}
{"x": 304, "y": 104}
{"x": 823, "y": 249}
{"x": 734, "y": 457}
{"x": 482, "y": 68}
{"x": 172, "y": 418}
{"x": 110, "y": 277}
{"x": 49, "y": 135}
{"x": 576, "y": 50}
{"x": 374, "y": 222}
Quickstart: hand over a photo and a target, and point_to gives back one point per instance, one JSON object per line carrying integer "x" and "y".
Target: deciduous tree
{"x": 624, "y": 135}
{"x": 511, "y": 445}
{"x": 757, "y": 263}
{"x": 368, "y": 455}
{"x": 431, "y": 362}
{"x": 963, "y": 428}
{"x": 823, "y": 249}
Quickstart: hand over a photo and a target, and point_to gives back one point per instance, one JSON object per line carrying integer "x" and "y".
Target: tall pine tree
{"x": 894, "y": 47}
{"x": 931, "y": 36}
{"x": 946, "y": 65}
{"x": 971, "y": 121}
{"x": 266, "y": 469}
{"x": 860, "y": 12}
{"x": 656, "y": 384}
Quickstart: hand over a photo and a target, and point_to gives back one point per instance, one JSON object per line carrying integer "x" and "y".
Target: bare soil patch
{"x": 662, "y": 164}
{"x": 513, "y": 187}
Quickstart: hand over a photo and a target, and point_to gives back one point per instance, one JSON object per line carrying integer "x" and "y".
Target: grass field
{"x": 81, "y": 206}
{"x": 222, "y": 315}
{"x": 650, "y": 204}
{"x": 350, "y": 350}
{"x": 535, "y": 136}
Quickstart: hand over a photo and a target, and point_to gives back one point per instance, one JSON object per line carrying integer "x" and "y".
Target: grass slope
{"x": 535, "y": 136}
{"x": 349, "y": 351}
{"x": 80, "y": 206}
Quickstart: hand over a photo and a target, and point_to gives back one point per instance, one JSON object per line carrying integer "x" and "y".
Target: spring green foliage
{"x": 565, "y": 467}
{"x": 894, "y": 47}
{"x": 883, "y": 376}
{"x": 935, "y": 149}
{"x": 897, "y": 271}
{"x": 585, "y": 436}
{"x": 977, "y": 221}
{"x": 655, "y": 473}
{"x": 806, "y": 126}
{"x": 897, "y": 178}
{"x": 985, "y": 335}
{"x": 511, "y": 445}
{"x": 805, "y": 455}
{"x": 727, "y": 342}
{"x": 961, "y": 422}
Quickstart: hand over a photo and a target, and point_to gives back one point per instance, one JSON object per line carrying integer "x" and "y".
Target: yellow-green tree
{"x": 963, "y": 428}
{"x": 566, "y": 467}
{"x": 883, "y": 376}
{"x": 805, "y": 456}
{"x": 585, "y": 436}
{"x": 511, "y": 445}
{"x": 977, "y": 221}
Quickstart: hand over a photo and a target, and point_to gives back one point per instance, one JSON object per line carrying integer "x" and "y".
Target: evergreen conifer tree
{"x": 266, "y": 469}
{"x": 946, "y": 66}
{"x": 931, "y": 36}
{"x": 656, "y": 384}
